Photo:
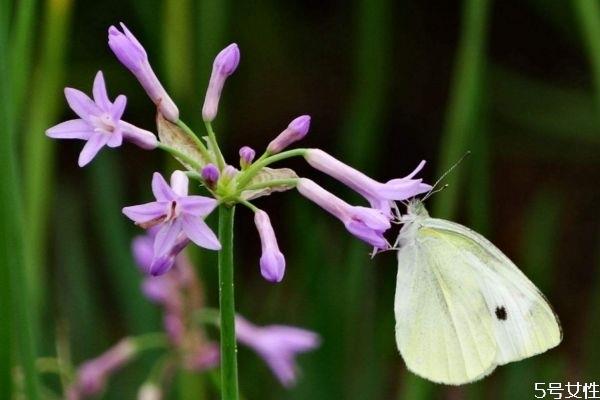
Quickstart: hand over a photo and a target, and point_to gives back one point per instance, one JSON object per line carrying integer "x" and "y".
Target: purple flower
{"x": 295, "y": 131}
{"x": 367, "y": 224}
{"x": 278, "y": 345}
{"x": 132, "y": 55}
{"x": 210, "y": 174}
{"x": 224, "y": 65}
{"x": 179, "y": 216}
{"x": 143, "y": 253}
{"x": 272, "y": 262}
{"x": 379, "y": 195}
{"x": 99, "y": 122}
{"x": 247, "y": 155}
{"x": 92, "y": 375}
{"x": 207, "y": 356}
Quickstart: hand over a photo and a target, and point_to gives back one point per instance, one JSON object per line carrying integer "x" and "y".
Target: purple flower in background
{"x": 295, "y": 131}
{"x": 224, "y": 65}
{"x": 247, "y": 155}
{"x": 207, "y": 356}
{"x": 367, "y": 224}
{"x": 99, "y": 122}
{"x": 272, "y": 262}
{"x": 132, "y": 55}
{"x": 177, "y": 214}
{"x": 278, "y": 345}
{"x": 143, "y": 253}
{"x": 92, "y": 375}
{"x": 379, "y": 195}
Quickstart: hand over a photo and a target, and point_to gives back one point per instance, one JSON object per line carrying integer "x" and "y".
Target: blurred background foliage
{"x": 387, "y": 83}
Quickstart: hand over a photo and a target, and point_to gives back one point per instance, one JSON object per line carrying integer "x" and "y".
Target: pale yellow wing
{"x": 462, "y": 307}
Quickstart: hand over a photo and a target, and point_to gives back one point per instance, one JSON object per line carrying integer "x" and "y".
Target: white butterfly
{"x": 461, "y": 306}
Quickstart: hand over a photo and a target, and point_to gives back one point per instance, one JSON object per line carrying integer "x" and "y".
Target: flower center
{"x": 104, "y": 123}
{"x": 173, "y": 212}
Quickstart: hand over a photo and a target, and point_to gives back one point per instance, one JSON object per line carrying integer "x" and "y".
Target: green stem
{"x": 16, "y": 333}
{"x": 178, "y": 154}
{"x": 201, "y": 147}
{"x": 214, "y": 145}
{"x": 247, "y": 175}
{"x": 248, "y": 204}
{"x": 229, "y": 378}
{"x": 465, "y": 101}
{"x": 149, "y": 341}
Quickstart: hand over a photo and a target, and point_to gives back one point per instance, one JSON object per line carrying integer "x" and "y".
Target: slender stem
{"x": 248, "y": 204}
{"x": 214, "y": 145}
{"x": 178, "y": 154}
{"x": 201, "y": 147}
{"x": 247, "y": 175}
{"x": 229, "y": 378}
{"x": 16, "y": 333}
{"x": 150, "y": 341}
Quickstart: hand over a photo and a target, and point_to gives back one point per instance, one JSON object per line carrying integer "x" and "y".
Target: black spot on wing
{"x": 501, "y": 313}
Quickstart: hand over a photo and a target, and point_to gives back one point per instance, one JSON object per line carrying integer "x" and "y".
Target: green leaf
{"x": 173, "y": 136}
{"x": 267, "y": 175}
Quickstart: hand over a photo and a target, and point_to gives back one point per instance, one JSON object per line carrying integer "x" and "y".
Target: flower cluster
{"x": 180, "y": 295}
{"x": 176, "y": 218}
{"x": 179, "y": 216}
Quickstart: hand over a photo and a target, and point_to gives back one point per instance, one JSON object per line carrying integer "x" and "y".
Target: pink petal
{"x": 115, "y": 139}
{"x": 166, "y": 237}
{"x": 198, "y": 206}
{"x": 141, "y": 137}
{"x": 161, "y": 189}
{"x": 91, "y": 148}
{"x": 146, "y": 212}
{"x": 72, "y": 129}
{"x": 200, "y": 233}
{"x": 179, "y": 183}
{"x": 100, "y": 94}
{"x": 118, "y": 107}
{"x": 81, "y": 103}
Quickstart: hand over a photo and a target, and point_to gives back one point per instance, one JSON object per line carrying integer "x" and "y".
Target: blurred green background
{"x": 387, "y": 83}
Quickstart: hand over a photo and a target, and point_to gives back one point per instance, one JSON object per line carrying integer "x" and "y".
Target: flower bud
{"x": 132, "y": 55}
{"x": 295, "y": 131}
{"x": 246, "y": 156}
{"x": 210, "y": 174}
{"x": 92, "y": 375}
{"x": 149, "y": 391}
{"x": 272, "y": 262}
{"x": 224, "y": 65}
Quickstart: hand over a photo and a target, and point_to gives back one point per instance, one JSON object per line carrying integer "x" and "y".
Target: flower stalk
{"x": 229, "y": 375}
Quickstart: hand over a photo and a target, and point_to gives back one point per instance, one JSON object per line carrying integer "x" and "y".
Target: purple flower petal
{"x": 115, "y": 139}
{"x": 146, "y": 212}
{"x": 142, "y": 252}
{"x": 72, "y": 129}
{"x": 161, "y": 189}
{"x": 118, "y": 107}
{"x": 179, "y": 183}
{"x": 81, "y": 103}
{"x": 141, "y": 137}
{"x": 166, "y": 237}
{"x": 100, "y": 94}
{"x": 200, "y": 233}
{"x": 198, "y": 206}
{"x": 91, "y": 148}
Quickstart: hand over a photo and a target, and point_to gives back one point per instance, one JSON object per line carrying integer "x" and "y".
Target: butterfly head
{"x": 416, "y": 209}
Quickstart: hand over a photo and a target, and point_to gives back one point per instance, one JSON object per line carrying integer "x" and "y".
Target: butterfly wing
{"x": 462, "y": 307}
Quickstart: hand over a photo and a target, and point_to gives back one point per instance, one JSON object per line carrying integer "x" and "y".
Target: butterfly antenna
{"x": 441, "y": 178}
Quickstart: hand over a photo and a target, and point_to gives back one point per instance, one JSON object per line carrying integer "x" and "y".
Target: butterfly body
{"x": 462, "y": 307}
